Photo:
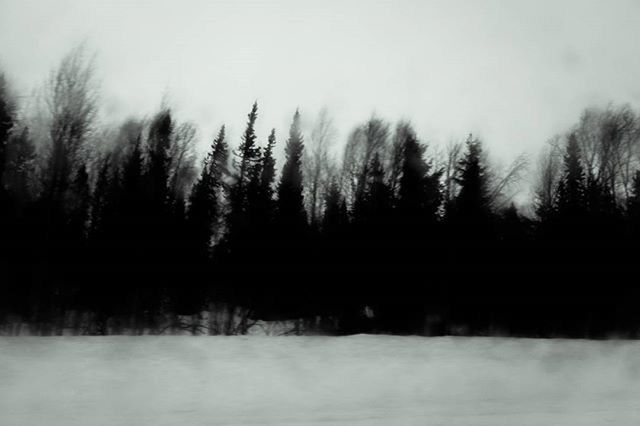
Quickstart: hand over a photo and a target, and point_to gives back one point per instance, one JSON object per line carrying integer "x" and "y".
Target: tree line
{"x": 121, "y": 228}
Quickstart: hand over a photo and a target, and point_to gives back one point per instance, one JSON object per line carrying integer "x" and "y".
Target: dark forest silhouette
{"x": 395, "y": 238}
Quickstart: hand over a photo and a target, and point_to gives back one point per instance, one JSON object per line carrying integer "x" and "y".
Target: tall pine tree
{"x": 291, "y": 227}
{"x": 245, "y": 162}
{"x": 472, "y": 213}
{"x": 419, "y": 192}
{"x": 292, "y": 217}
{"x": 570, "y": 205}
{"x": 204, "y": 202}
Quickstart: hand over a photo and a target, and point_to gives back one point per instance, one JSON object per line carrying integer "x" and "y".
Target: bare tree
{"x": 609, "y": 142}
{"x": 620, "y": 140}
{"x": 71, "y": 99}
{"x": 396, "y": 157}
{"x": 364, "y": 143}
{"x": 547, "y": 176}
{"x": 317, "y": 164}
{"x": 502, "y": 182}
{"x": 448, "y": 163}
{"x": 182, "y": 172}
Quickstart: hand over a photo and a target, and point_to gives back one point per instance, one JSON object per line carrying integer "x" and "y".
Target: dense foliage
{"x": 120, "y": 230}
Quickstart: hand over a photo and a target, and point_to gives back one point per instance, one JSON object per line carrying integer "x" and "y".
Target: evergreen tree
{"x": 108, "y": 248}
{"x": 291, "y": 228}
{"x": 419, "y": 193}
{"x": 182, "y": 299}
{"x": 235, "y": 252}
{"x": 253, "y": 198}
{"x": 570, "y": 205}
{"x": 571, "y": 191}
{"x": 416, "y": 224}
{"x": 472, "y": 210}
{"x": 602, "y": 213}
{"x": 248, "y": 153}
{"x": 132, "y": 181}
{"x": 292, "y": 216}
{"x": 204, "y": 201}
{"x": 246, "y": 160}
{"x": 130, "y": 233}
{"x": 336, "y": 218}
{"x": 261, "y": 237}
{"x": 470, "y": 243}
{"x": 331, "y": 248}
{"x": 372, "y": 212}
{"x": 267, "y": 175}
{"x": 261, "y": 206}
{"x": 157, "y": 228}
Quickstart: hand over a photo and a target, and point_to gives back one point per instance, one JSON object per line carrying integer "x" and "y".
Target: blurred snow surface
{"x": 354, "y": 380}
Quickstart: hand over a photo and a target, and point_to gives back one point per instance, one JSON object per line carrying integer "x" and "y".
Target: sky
{"x": 513, "y": 73}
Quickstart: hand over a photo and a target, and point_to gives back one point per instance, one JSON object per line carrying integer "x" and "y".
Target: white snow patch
{"x": 360, "y": 380}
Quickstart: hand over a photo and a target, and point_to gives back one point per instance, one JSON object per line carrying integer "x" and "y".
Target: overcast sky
{"x": 512, "y": 72}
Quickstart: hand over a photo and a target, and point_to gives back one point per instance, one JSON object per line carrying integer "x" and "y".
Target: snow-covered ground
{"x": 361, "y": 380}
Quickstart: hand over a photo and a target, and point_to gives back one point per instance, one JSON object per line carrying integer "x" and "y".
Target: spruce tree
{"x": 131, "y": 230}
{"x": 472, "y": 214}
{"x": 204, "y": 201}
{"x": 253, "y": 196}
{"x": 372, "y": 212}
{"x": 131, "y": 192}
{"x": 291, "y": 227}
{"x": 335, "y": 219}
{"x": 157, "y": 227}
{"x": 236, "y": 251}
{"x": 570, "y": 212}
{"x": 248, "y": 153}
{"x": 107, "y": 247}
{"x": 246, "y": 158}
{"x": 260, "y": 194}
{"x": 268, "y": 172}
{"x": 571, "y": 190}
{"x": 292, "y": 216}
{"x": 419, "y": 193}
{"x": 132, "y": 178}
{"x": 415, "y": 222}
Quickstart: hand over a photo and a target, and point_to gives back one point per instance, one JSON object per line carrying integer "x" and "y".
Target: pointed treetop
{"x": 249, "y": 137}
{"x": 220, "y": 140}
{"x": 271, "y": 141}
{"x": 221, "y": 134}
{"x": 268, "y": 170}
{"x": 294, "y": 130}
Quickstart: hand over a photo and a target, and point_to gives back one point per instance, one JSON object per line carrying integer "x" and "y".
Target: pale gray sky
{"x": 512, "y": 72}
